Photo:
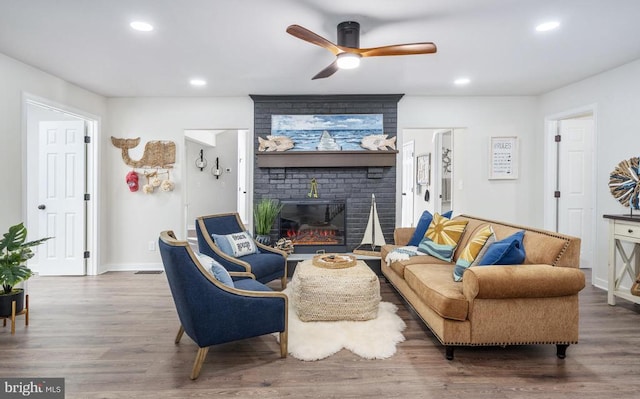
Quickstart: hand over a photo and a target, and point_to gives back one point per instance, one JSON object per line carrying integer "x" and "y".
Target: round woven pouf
{"x": 334, "y": 261}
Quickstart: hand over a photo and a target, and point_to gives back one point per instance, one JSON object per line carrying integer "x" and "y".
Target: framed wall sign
{"x": 423, "y": 169}
{"x": 503, "y": 158}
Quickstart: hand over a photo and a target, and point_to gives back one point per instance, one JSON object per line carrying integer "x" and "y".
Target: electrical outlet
{"x": 152, "y": 245}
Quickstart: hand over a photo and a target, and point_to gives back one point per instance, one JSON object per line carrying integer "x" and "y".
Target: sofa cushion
{"x": 423, "y": 225}
{"x": 434, "y": 285}
{"x": 509, "y": 251}
{"x": 542, "y": 246}
{"x": 442, "y": 237}
{"x": 399, "y": 266}
{"x": 472, "y": 250}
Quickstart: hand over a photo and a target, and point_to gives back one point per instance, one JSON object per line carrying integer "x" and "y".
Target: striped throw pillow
{"x": 471, "y": 251}
{"x": 442, "y": 237}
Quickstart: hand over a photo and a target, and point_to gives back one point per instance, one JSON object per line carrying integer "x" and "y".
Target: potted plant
{"x": 14, "y": 253}
{"x": 264, "y": 214}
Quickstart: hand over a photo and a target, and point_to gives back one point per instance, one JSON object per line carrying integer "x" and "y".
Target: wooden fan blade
{"x": 396, "y": 49}
{"x": 328, "y": 71}
{"x": 313, "y": 38}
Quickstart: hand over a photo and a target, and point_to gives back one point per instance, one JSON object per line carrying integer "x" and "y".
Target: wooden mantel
{"x": 326, "y": 159}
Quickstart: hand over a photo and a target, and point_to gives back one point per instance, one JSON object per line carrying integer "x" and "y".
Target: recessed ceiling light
{"x": 141, "y": 26}
{"x": 461, "y": 81}
{"x": 547, "y": 26}
{"x": 198, "y": 82}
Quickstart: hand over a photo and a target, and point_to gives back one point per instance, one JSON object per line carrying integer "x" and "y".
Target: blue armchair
{"x": 213, "y": 313}
{"x": 266, "y": 265}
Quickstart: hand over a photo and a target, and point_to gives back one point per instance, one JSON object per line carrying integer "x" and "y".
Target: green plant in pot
{"x": 264, "y": 215}
{"x": 14, "y": 253}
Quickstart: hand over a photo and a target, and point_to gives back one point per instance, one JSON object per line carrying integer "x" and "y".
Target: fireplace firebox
{"x": 314, "y": 225}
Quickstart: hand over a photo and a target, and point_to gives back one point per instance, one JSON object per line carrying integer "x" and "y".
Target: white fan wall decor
{"x": 624, "y": 183}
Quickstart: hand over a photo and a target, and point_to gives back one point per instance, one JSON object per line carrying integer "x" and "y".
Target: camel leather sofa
{"x": 532, "y": 303}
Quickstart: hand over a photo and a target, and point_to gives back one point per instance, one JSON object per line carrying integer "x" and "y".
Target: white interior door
{"x": 61, "y": 189}
{"x": 575, "y": 171}
{"x": 408, "y": 183}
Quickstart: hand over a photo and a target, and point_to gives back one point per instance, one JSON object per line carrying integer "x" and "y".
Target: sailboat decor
{"x": 373, "y": 237}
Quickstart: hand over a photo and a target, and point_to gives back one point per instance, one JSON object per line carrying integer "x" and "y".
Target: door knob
{"x": 42, "y": 206}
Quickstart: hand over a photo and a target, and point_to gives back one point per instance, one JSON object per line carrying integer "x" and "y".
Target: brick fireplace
{"x": 349, "y": 179}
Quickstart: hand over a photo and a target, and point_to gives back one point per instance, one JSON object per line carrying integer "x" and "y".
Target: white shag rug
{"x": 371, "y": 339}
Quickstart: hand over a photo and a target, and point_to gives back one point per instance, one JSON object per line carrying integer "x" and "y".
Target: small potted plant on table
{"x": 14, "y": 253}
{"x": 265, "y": 213}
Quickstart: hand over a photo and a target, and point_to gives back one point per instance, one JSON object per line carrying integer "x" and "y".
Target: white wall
{"x": 206, "y": 194}
{"x": 518, "y": 201}
{"x": 16, "y": 79}
{"x": 616, "y": 94}
{"x": 133, "y": 220}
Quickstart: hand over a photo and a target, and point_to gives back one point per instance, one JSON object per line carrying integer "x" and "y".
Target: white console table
{"x": 623, "y": 228}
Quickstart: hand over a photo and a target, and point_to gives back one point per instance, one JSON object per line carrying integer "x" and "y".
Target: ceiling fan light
{"x": 348, "y": 60}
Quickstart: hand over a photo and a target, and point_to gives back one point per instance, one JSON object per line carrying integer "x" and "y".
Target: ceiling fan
{"x": 348, "y": 52}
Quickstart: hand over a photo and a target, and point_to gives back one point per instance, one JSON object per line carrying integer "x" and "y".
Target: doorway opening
{"x": 434, "y": 190}
{"x": 215, "y": 175}
{"x": 60, "y": 151}
{"x": 570, "y": 173}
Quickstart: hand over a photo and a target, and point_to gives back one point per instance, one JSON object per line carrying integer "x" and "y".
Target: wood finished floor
{"x": 111, "y": 336}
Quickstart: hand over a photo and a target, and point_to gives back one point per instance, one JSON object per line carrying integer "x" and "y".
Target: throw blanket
{"x": 401, "y": 253}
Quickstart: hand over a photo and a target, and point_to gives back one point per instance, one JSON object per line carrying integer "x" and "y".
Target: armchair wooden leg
{"x": 284, "y": 337}
{"x": 179, "y": 335}
{"x": 197, "y": 365}
{"x": 283, "y": 281}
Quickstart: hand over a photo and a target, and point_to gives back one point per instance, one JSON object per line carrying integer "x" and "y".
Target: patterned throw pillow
{"x": 471, "y": 251}
{"x": 236, "y": 244}
{"x": 442, "y": 237}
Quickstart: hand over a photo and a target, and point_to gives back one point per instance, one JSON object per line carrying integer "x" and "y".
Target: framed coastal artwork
{"x": 334, "y": 132}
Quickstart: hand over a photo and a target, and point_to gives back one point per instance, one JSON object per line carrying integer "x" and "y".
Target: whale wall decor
{"x": 157, "y": 154}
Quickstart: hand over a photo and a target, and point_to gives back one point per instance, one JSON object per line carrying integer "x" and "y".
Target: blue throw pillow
{"x": 423, "y": 225}
{"x": 509, "y": 251}
{"x": 216, "y": 269}
{"x": 221, "y": 274}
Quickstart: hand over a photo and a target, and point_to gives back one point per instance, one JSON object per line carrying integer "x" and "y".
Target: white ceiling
{"x": 240, "y": 46}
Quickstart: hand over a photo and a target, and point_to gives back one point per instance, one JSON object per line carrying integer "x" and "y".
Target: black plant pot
{"x": 5, "y": 302}
{"x": 263, "y": 239}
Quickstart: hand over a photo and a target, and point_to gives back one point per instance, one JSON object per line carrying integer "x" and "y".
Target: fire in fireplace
{"x": 314, "y": 224}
